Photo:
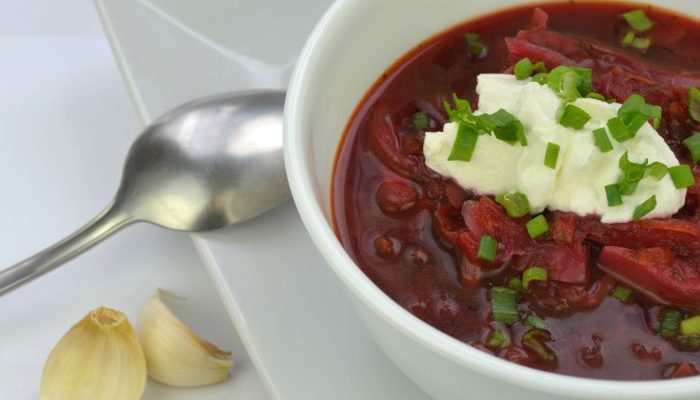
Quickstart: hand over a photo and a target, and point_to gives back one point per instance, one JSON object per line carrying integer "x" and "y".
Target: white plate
{"x": 67, "y": 124}
{"x": 288, "y": 306}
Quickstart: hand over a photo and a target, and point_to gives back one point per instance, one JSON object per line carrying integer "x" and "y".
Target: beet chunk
{"x": 656, "y": 272}
{"x": 394, "y": 197}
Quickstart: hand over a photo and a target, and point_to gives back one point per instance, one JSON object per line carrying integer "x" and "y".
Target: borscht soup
{"x": 526, "y": 182}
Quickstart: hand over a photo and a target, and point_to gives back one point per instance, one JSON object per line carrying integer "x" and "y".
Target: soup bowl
{"x": 353, "y": 44}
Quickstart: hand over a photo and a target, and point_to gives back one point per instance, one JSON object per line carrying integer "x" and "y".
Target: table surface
{"x": 66, "y": 123}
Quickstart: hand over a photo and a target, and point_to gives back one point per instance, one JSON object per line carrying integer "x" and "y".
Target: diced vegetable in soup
{"x": 526, "y": 183}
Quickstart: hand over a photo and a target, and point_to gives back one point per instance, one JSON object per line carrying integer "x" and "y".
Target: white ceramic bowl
{"x": 349, "y": 49}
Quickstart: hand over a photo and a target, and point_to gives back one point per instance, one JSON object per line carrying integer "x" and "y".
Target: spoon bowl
{"x": 204, "y": 165}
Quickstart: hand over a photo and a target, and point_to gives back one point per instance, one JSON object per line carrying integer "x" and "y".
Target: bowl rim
{"x": 296, "y": 135}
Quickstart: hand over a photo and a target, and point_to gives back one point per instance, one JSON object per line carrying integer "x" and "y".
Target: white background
{"x": 66, "y": 123}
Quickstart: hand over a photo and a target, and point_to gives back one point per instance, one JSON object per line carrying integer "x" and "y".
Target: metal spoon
{"x": 204, "y": 165}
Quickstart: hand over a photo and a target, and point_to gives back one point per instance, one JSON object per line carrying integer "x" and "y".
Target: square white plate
{"x": 287, "y": 305}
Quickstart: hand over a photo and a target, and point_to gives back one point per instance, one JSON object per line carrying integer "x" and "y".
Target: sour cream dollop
{"x": 577, "y": 184}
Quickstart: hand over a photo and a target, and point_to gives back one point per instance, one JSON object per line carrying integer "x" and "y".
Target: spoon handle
{"x": 106, "y": 223}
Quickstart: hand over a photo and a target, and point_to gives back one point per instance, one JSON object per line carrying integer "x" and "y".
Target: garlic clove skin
{"x": 175, "y": 355}
{"x": 99, "y": 358}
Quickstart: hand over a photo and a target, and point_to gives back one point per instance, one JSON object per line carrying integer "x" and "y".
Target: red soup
{"x": 612, "y": 301}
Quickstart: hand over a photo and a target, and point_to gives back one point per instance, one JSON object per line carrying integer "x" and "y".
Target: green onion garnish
{"x": 632, "y": 173}
{"x": 537, "y": 226}
{"x": 522, "y": 69}
{"x": 622, "y": 293}
{"x": 638, "y": 20}
{"x": 596, "y": 96}
{"x": 515, "y": 284}
{"x": 541, "y": 78}
{"x": 693, "y": 143}
{"x": 465, "y": 143}
{"x": 601, "y": 140}
{"x": 487, "y": 248}
{"x": 533, "y": 274}
{"x": 628, "y": 38}
{"x": 682, "y": 176}
{"x": 496, "y": 339}
{"x": 569, "y": 86}
{"x": 642, "y": 44}
{"x": 539, "y": 68}
{"x": 506, "y": 127}
{"x": 691, "y": 326}
{"x": 570, "y": 83}
{"x": 612, "y": 192}
{"x": 462, "y": 112}
{"x": 618, "y": 130}
{"x": 551, "y": 155}
{"x": 515, "y": 203}
{"x": 574, "y": 117}
{"x": 694, "y": 103}
{"x": 535, "y": 321}
{"x": 477, "y": 48}
{"x": 645, "y": 208}
{"x": 670, "y": 323}
{"x": 657, "y": 170}
{"x": 635, "y": 111}
{"x": 534, "y": 339}
{"x": 421, "y": 121}
{"x": 504, "y": 306}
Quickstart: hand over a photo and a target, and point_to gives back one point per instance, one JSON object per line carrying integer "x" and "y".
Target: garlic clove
{"x": 99, "y": 358}
{"x": 175, "y": 355}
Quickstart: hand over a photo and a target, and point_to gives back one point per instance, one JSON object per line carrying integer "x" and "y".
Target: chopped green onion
{"x": 507, "y": 127}
{"x": 691, "y": 343}
{"x": 693, "y": 143}
{"x": 570, "y": 83}
{"x": 541, "y": 78}
{"x": 537, "y": 226}
{"x": 670, "y": 323}
{"x": 642, "y": 44}
{"x": 551, "y": 155}
{"x": 465, "y": 143}
{"x": 462, "y": 112}
{"x": 601, "y": 140}
{"x": 596, "y": 96}
{"x": 682, "y": 176}
{"x": 694, "y": 103}
{"x": 539, "y": 68}
{"x": 635, "y": 112}
{"x": 477, "y": 48}
{"x": 638, "y": 20}
{"x": 496, "y": 339}
{"x": 632, "y": 173}
{"x": 569, "y": 86}
{"x": 534, "y": 339}
{"x": 574, "y": 117}
{"x": 504, "y": 306}
{"x": 612, "y": 192}
{"x": 533, "y": 274}
{"x": 628, "y": 39}
{"x": 515, "y": 203}
{"x": 645, "y": 208}
{"x": 522, "y": 69}
{"x": 657, "y": 170}
{"x": 610, "y": 101}
{"x": 515, "y": 284}
{"x": 487, "y": 248}
{"x": 691, "y": 326}
{"x": 421, "y": 121}
{"x": 622, "y": 293}
{"x": 618, "y": 130}
{"x": 535, "y": 321}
